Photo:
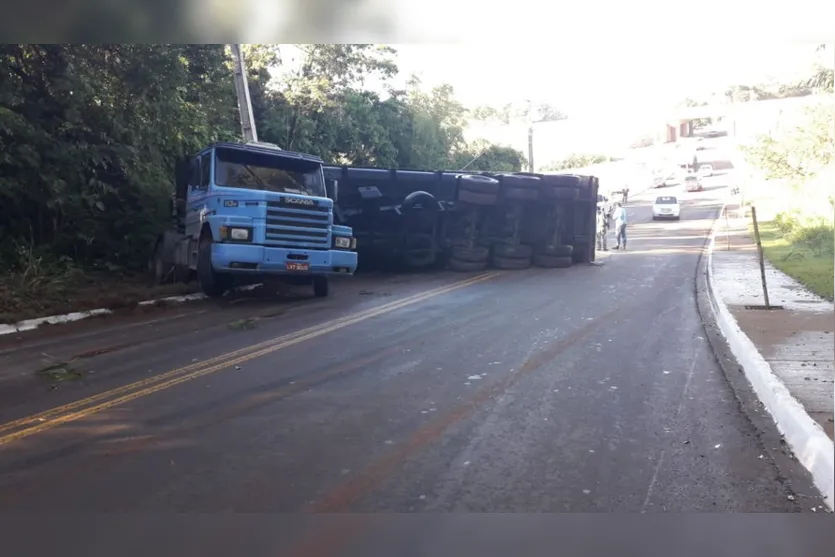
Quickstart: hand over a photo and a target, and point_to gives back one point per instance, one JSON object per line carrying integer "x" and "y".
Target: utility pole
{"x": 242, "y": 89}
{"x": 530, "y": 137}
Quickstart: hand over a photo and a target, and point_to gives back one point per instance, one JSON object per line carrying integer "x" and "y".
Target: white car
{"x": 705, "y": 171}
{"x": 666, "y": 207}
{"x": 692, "y": 183}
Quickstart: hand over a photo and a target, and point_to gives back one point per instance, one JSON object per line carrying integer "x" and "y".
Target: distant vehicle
{"x": 705, "y": 171}
{"x": 692, "y": 183}
{"x": 666, "y": 207}
{"x": 715, "y": 133}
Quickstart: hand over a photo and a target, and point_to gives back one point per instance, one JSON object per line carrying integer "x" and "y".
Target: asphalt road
{"x": 589, "y": 389}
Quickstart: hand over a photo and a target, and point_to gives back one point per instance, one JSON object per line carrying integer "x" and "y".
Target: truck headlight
{"x": 235, "y": 234}
{"x": 343, "y": 242}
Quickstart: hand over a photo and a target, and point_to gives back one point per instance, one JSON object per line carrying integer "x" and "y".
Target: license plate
{"x": 294, "y": 266}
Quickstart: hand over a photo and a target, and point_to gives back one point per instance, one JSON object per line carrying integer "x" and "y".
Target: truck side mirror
{"x": 332, "y": 187}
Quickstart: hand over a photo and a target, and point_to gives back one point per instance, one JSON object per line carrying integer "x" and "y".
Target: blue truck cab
{"x": 250, "y": 212}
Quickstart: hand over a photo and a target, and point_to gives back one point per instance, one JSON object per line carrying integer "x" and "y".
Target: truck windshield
{"x": 242, "y": 169}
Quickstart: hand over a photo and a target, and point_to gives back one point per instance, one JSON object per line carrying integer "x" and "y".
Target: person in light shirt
{"x": 602, "y": 228}
{"x": 619, "y": 216}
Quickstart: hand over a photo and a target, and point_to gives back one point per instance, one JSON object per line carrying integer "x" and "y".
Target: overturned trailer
{"x": 466, "y": 221}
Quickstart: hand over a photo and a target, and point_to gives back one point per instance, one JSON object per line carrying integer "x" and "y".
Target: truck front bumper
{"x": 247, "y": 258}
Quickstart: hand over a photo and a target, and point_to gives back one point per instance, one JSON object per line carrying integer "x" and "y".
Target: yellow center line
{"x": 108, "y": 399}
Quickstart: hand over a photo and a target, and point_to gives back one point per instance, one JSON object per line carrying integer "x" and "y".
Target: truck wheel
{"x": 212, "y": 283}
{"x": 478, "y": 190}
{"x": 520, "y": 194}
{"x": 552, "y": 261}
{"x": 512, "y": 251}
{"x": 477, "y": 254}
{"x": 467, "y": 266}
{"x": 321, "y": 287}
{"x": 424, "y": 253}
{"x": 509, "y": 263}
{"x": 476, "y": 198}
{"x": 556, "y": 250}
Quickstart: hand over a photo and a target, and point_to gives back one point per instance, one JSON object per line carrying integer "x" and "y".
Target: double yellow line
{"x": 25, "y": 427}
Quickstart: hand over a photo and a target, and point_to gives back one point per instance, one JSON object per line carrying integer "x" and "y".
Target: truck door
{"x": 198, "y": 189}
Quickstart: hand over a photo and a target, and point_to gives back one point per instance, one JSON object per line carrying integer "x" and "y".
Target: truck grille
{"x": 307, "y": 228}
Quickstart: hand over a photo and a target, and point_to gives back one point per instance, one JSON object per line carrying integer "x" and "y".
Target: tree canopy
{"x": 89, "y": 134}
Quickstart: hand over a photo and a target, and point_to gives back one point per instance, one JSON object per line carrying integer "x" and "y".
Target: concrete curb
{"x": 806, "y": 438}
{"x": 31, "y": 324}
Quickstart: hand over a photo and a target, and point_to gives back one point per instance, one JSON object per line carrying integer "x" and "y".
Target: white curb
{"x": 30, "y": 324}
{"x": 806, "y": 438}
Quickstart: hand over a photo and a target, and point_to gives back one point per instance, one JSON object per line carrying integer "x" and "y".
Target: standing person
{"x": 602, "y": 229}
{"x": 619, "y": 217}
{"x": 625, "y": 195}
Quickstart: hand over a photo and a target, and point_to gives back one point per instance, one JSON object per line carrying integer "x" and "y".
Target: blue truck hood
{"x": 243, "y": 195}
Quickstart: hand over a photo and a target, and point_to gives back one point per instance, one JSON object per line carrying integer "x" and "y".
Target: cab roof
{"x": 266, "y": 149}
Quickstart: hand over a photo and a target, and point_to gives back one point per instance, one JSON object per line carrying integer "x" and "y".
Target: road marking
{"x": 108, "y": 399}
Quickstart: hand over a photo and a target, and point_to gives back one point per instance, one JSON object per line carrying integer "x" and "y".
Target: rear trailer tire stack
{"x": 468, "y": 260}
{"x": 477, "y": 190}
{"x": 554, "y": 257}
{"x": 516, "y": 187}
{"x": 511, "y": 256}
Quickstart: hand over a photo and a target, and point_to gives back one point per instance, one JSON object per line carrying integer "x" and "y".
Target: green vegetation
{"x": 576, "y": 161}
{"x": 805, "y": 254}
{"x": 89, "y": 135}
{"x": 799, "y": 171}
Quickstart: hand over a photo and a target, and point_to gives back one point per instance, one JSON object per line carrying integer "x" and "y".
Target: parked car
{"x": 666, "y": 207}
{"x": 705, "y": 171}
{"x": 692, "y": 183}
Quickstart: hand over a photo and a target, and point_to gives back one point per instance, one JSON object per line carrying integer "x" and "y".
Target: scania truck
{"x": 246, "y": 212}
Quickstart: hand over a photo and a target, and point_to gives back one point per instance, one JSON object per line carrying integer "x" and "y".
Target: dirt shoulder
{"x": 30, "y": 295}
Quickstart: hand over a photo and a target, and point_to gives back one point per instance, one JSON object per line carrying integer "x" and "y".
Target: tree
{"x": 517, "y": 112}
{"x": 800, "y": 153}
{"x": 576, "y": 161}
{"x": 483, "y": 156}
{"x": 89, "y": 135}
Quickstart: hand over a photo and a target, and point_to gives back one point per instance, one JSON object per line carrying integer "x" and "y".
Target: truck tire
{"x": 467, "y": 266}
{"x": 212, "y": 283}
{"x": 552, "y": 261}
{"x": 560, "y": 250}
{"x": 478, "y": 184}
{"x": 425, "y": 256}
{"x": 508, "y": 263}
{"x": 321, "y": 287}
{"x": 477, "y": 254}
{"x": 512, "y": 251}
{"x": 477, "y": 198}
{"x": 520, "y": 194}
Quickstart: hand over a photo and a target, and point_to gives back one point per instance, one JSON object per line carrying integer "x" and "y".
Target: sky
{"x": 596, "y": 80}
{"x": 598, "y": 77}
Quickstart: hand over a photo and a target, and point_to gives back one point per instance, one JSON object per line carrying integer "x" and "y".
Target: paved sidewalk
{"x": 797, "y": 342}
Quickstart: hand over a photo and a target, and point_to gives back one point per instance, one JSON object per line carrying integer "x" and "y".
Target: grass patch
{"x": 29, "y": 295}
{"x": 242, "y": 324}
{"x": 59, "y": 372}
{"x": 811, "y": 267}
